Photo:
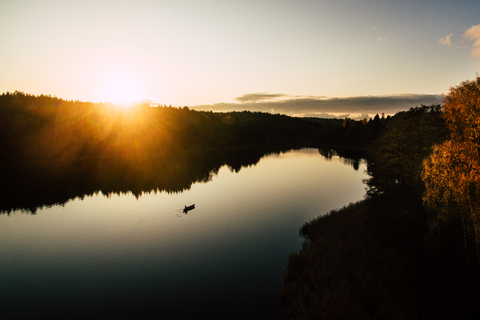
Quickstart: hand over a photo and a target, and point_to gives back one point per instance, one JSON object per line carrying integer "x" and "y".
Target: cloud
{"x": 476, "y": 53}
{"x": 321, "y": 106}
{"x": 259, "y": 96}
{"x": 446, "y": 41}
{"x": 474, "y": 34}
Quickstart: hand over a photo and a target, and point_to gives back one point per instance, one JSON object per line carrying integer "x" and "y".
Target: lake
{"x": 98, "y": 250}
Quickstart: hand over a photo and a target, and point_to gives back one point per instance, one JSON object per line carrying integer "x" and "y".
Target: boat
{"x": 186, "y": 209}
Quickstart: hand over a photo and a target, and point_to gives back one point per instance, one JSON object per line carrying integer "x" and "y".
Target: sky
{"x": 299, "y": 57}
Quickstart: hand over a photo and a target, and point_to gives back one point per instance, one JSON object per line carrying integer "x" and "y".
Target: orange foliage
{"x": 452, "y": 173}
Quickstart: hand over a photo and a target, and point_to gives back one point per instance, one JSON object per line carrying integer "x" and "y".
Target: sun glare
{"x": 122, "y": 90}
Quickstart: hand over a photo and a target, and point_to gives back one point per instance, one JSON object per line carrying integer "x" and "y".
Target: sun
{"x": 122, "y": 89}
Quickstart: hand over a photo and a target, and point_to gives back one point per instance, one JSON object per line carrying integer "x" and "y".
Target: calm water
{"x": 142, "y": 256}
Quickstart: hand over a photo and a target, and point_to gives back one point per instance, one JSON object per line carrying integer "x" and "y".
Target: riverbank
{"x": 388, "y": 257}
{"x": 374, "y": 259}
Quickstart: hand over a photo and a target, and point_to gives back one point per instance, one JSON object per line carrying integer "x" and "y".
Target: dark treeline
{"x": 46, "y": 128}
{"x": 34, "y": 128}
{"x": 389, "y": 256}
{"x": 349, "y": 132}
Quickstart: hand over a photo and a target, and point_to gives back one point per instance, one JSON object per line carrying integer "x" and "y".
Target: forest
{"x": 45, "y": 128}
{"x": 410, "y": 249}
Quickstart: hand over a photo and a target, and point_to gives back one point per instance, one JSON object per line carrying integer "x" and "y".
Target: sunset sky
{"x": 299, "y": 57}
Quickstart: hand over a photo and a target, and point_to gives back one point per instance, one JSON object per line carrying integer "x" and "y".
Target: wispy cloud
{"x": 474, "y": 34}
{"x": 447, "y": 40}
{"x": 325, "y": 107}
{"x": 259, "y": 96}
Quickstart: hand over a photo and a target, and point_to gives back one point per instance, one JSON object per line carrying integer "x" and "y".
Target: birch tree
{"x": 452, "y": 172}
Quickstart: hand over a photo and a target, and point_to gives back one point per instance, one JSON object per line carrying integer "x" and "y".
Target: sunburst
{"x": 123, "y": 89}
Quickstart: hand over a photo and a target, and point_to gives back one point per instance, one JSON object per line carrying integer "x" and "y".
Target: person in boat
{"x": 189, "y": 208}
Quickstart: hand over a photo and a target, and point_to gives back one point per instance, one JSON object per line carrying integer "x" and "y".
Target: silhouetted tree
{"x": 397, "y": 155}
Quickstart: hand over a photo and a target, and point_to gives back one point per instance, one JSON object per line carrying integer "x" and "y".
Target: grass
{"x": 374, "y": 259}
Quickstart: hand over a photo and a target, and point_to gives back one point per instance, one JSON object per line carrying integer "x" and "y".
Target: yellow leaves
{"x": 452, "y": 172}
{"x": 462, "y": 111}
{"x": 449, "y": 172}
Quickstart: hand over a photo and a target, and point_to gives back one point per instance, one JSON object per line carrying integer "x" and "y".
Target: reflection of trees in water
{"x": 347, "y": 156}
{"x": 31, "y": 186}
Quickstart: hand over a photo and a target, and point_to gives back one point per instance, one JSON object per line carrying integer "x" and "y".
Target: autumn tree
{"x": 452, "y": 172}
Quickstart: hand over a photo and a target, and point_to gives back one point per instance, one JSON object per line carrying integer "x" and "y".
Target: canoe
{"x": 186, "y": 209}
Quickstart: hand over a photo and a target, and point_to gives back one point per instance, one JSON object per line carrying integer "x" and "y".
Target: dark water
{"x": 125, "y": 248}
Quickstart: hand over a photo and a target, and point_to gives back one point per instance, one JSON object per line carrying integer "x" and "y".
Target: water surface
{"x": 140, "y": 255}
